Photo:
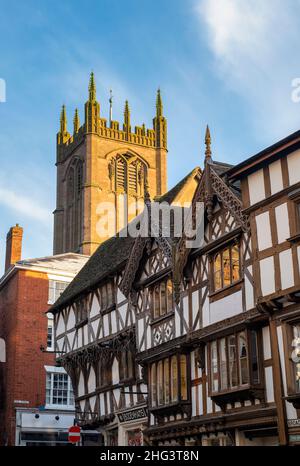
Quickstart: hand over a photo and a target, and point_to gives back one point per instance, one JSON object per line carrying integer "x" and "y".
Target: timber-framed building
{"x": 168, "y": 345}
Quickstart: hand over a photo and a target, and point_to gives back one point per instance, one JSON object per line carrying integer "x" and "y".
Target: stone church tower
{"x": 104, "y": 167}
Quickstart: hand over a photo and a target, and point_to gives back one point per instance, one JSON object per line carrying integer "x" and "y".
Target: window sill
{"x": 220, "y": 294}
{"x": 157, "y": 320}
{"x": 294, "y": 239}
{"x": 294, "y": 398}
{"x": 60, "y": 407}
{"x": 239, "y": 394}
{"x": 184, "y": 407}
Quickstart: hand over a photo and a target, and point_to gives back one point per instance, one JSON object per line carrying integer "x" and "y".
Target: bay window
{"x": 234, "y": 362}
{"x": 292, "y": 350}
{"x": 169, "y": 381}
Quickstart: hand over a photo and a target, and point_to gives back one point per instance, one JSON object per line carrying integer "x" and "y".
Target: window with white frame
{"x": 56, "y": 288}
{"x": 59, "y": 391}
{"x": 50, "y": 332}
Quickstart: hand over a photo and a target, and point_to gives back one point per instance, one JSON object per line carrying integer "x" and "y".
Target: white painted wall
{"x": 282, "y": 222}
{"x": 293, "y": 161}
{"x": 249, "y": 293}
{"x": 263, "y": 228}
{"x": 2, "y": 350}
{"x": 256, "y": 187}
{"x": 227, "y": 307}
{"x": 266, "y": 343}
{"x": 276, "y": 177}
{"x": 267, "y": 275}
{"x": 92, "y": 381}
{"x": 269, "y": 384}
{"x": 286, "y": 269}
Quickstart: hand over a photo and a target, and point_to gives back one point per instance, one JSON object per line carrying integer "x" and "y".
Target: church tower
{"x": 103, "y": 171}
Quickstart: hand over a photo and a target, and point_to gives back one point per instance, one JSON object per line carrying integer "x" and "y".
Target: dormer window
{"x": 226, "y": 267}
{"x": 107, "y": 296}
{"x": 162, "y": 298}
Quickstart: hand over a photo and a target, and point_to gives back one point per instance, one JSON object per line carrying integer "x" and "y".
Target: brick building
{"x": 35, "y": 396}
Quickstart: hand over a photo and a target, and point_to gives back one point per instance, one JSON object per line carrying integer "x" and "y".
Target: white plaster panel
{"x": 95, "y": 308}
{"x": 293, "y": 161}
{"x": 113, "y": 316}
{"x": 256, "y": 187}
{"x": 115, "y": 372}
{"x": 92, "y": 381}
{"x": 267, "y": 275}
{"x": 177, "y": 323}
{"x": 282, "y": 222}
{"x": 105, "y": 325}
{"x": 60, "y": 325}
{"x": 81, "y": 390}
{"x": 269, "y": 384}
{"x": 276, "y": 177}
{"x": 71, "y": 320}
{"x": 249, "y": 296}
{"x": 263, "y": 227}
{"x": 194, "y": 393}
{"x": 185, "y": 303}
{"x": 102, "y": 405}
{"x": 92, "y": 402}
{"x": 227, "y": 307}
{"x": 195, "y": 307}
{"x": 266, "y": 343}
{"x": 286, "y": 269}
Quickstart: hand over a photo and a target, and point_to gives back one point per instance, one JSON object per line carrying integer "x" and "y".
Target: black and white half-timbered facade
{"x": 168, "y": 345}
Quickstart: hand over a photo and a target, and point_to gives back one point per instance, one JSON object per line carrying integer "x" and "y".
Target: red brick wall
{"x": 23, "y": 325}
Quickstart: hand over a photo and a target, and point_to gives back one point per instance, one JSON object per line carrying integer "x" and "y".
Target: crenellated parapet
{"x": 155, "y": 137}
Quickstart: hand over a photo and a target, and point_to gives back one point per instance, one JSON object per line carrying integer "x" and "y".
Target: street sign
{"x": 74, "y": 434}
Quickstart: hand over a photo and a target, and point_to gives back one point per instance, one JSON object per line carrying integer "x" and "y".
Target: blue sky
{"x": 228, "y": 63}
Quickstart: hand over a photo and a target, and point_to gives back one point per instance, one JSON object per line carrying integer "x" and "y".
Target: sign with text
{"x": 133, "y": 415}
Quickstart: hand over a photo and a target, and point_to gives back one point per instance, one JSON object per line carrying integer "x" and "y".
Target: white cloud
{"x": 24, "y": 206}
{"x": 255, "y": 45}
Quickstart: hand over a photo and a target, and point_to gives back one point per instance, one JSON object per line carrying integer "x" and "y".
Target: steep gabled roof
{"x": 113, "y": 254}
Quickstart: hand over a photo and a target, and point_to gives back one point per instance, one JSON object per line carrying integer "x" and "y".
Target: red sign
{"x": 74, "y": 434}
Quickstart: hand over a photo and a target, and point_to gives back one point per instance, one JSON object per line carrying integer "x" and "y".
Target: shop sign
{"x": 133, "y": 415}
{"x": 294, "y": 422}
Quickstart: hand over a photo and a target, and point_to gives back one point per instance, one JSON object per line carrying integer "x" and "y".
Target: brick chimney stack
{"x": 13, "y": 246}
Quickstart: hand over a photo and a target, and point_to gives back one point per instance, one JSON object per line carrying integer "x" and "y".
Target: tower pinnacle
{"x": 63, "y": 120}
{"x": 76, "y": 122}
{"x": 92, "y": 88}
{"x": 159, "y": 105}
{"x": 126, "y": 125}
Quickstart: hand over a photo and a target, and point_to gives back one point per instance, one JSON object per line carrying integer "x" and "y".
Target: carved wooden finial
{"x": 208, "y": 145}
